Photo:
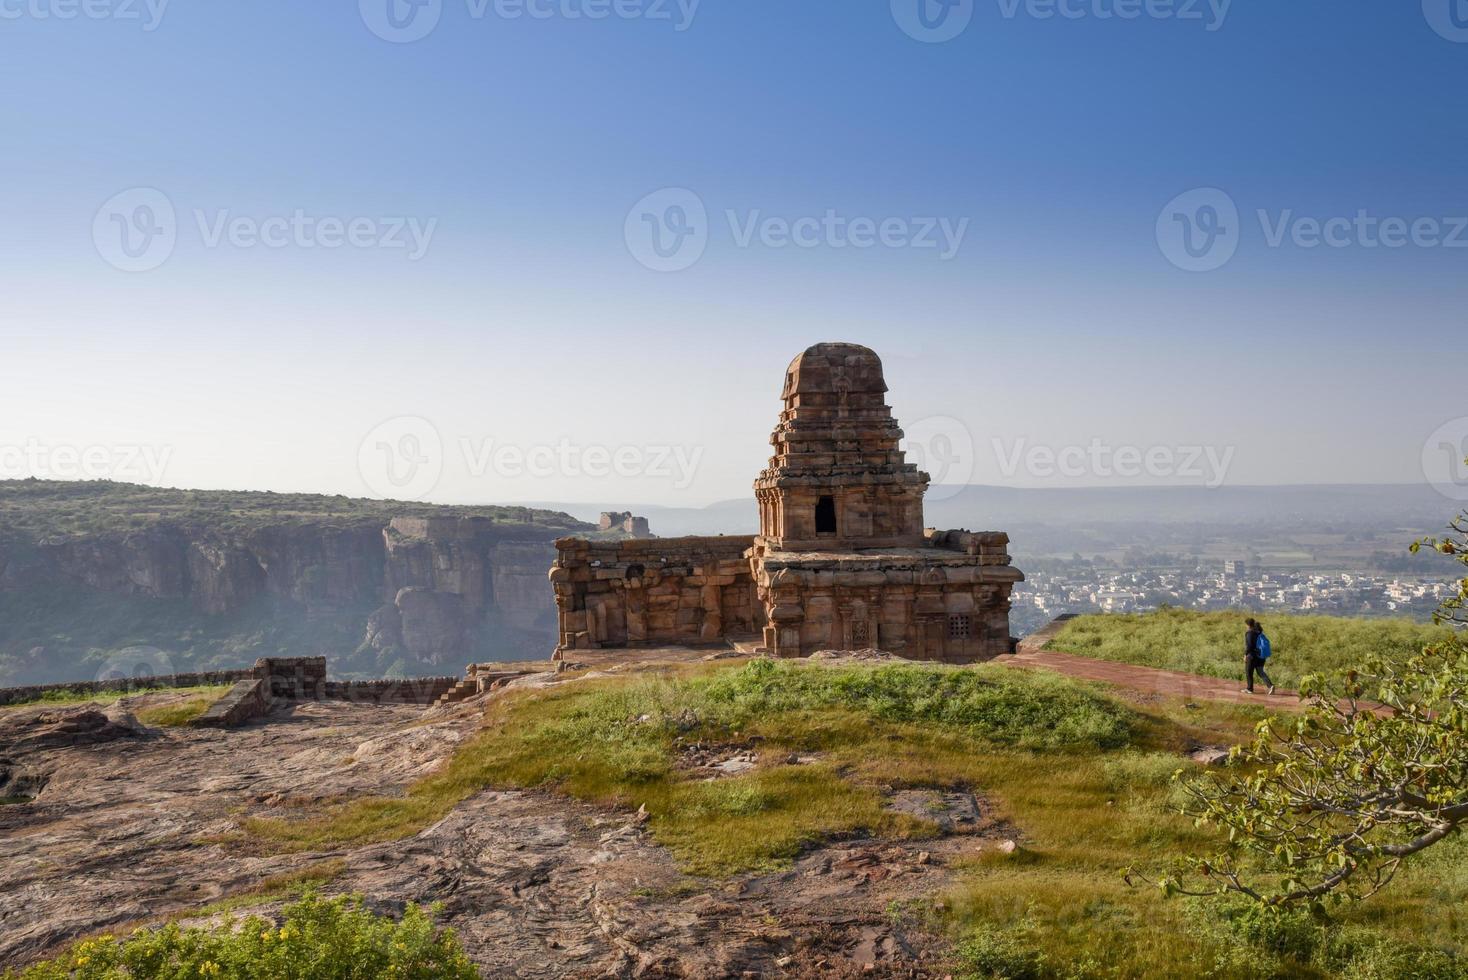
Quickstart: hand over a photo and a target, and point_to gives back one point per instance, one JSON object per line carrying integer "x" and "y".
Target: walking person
{"x": 1256, "y": 651}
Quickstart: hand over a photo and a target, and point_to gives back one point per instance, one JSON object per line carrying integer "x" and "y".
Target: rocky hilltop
{"x": 96, "y": 573}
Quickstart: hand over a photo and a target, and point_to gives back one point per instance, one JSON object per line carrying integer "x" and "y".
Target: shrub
{"x": 317, "y": 939}
{"x": 1000, "y": 956}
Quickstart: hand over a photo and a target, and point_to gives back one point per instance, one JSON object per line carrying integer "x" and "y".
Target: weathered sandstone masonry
{"x": 281, "y": 680}
{"x": 842, "y": 560}
{"x": 659, "y": 591}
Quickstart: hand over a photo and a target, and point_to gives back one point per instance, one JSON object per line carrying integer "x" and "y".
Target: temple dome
{"x": 833, "y": 368}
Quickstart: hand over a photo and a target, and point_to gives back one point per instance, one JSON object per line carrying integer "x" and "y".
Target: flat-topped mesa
{"x": 839, "y": 479}
{"x": 842, "y": 561}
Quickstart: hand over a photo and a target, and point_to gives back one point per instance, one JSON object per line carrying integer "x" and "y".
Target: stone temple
{"x": 842, "y": 560}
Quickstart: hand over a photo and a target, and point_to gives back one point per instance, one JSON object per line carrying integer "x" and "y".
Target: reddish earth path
{"x": 1171, "y": 683}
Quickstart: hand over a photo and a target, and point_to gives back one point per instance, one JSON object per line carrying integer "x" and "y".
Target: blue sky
{"x": 520, "y": 148}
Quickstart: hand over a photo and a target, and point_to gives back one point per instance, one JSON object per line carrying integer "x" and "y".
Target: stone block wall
{"x": 276, "y": 680}
{"x": 659, "y": 591}
{"x": 407, "y": 690}
{"x": 246, "y": 700}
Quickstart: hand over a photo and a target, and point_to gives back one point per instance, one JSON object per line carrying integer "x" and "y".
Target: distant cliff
{"x": 95, "y": 575}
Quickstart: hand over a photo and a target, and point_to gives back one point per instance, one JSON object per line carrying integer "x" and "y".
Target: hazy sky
{"x": 280, "y": 245}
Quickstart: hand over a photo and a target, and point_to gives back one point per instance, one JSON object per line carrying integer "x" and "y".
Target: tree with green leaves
{"x": 1329, "y": 805}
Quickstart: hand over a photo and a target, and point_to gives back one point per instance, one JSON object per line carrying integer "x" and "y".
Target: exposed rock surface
{"x": 536, "y": 885}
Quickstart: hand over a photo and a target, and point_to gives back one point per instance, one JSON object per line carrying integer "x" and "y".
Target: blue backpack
{"x": 1264, "y": 650}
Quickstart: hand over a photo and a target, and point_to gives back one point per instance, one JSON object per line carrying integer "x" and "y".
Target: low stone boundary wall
{"x": 409, "y": 690}
{"x": 245, "y": 700}
{"x": 212, "y": 678}
{"x": 255, "y": 691}
{"x": 282, "y": 680}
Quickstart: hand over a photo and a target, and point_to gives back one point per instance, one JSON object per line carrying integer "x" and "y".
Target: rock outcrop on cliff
{"x": 86, "y": 569}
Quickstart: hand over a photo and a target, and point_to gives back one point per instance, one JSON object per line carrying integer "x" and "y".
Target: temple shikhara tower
{"x": 842, "y": 561}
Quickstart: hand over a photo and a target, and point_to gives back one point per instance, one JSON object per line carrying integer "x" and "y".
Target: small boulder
{"x": 1210, "y": 755}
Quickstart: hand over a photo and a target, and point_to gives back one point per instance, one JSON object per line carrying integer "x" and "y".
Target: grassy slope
{"x": 1212, "y": 643}
{"x": 1085, "y": 778}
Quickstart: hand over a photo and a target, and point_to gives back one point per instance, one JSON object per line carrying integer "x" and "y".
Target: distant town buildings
{"x": 1079, "y": 587}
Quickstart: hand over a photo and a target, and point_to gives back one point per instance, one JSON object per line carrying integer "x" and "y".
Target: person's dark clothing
{"x": 1253, "y": 663}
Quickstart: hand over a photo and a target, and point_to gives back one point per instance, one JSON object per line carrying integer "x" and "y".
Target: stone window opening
{"x": 826, "y": 515}
{"x": 959, "y": 627}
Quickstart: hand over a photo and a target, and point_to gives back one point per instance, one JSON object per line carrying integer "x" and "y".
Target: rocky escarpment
{"x": 211, "y": 579}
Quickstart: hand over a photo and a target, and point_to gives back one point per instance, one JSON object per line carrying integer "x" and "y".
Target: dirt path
{"x": 1149, "y": 680}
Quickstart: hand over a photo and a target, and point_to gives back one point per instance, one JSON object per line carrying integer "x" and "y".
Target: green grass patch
{"x": 1212, "y": 643}
{"x": 317, "y": 938}
{"x": 616, "y": 742}
{"x": 1064, "y": 910}
{"x": 181, "y": 713}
